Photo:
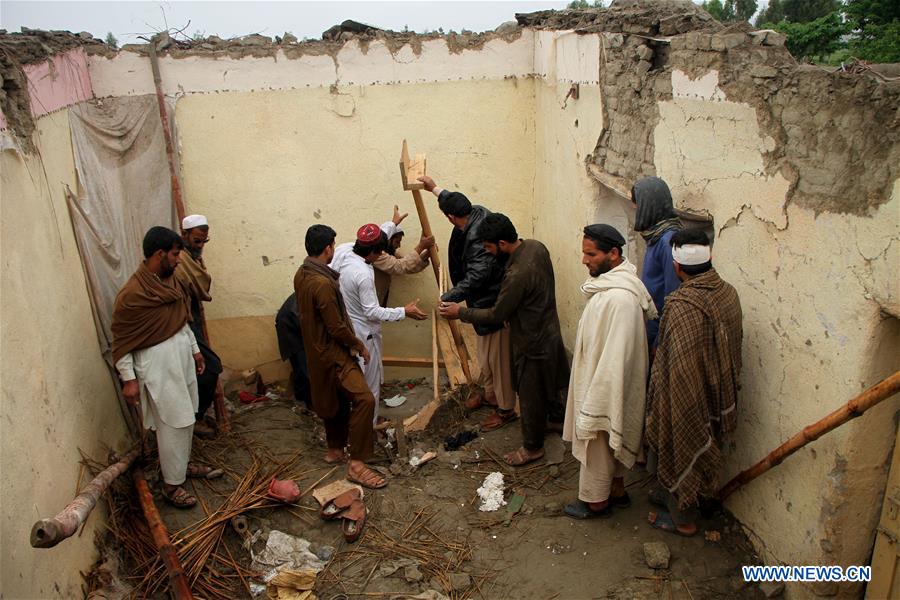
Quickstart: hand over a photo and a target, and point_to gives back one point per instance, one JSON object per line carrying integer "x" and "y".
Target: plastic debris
{"x": 491, "y": 492}
{"x": 284, "y": 551}
{"x": 395, "y": 401}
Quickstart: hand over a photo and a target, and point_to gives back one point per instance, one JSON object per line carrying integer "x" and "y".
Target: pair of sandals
{"x": 180, "y": 497}
{"x": 350, "y": 508}
{"x": 663, "y": 519}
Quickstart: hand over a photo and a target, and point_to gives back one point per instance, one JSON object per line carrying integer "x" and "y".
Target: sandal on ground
{"x": 196, "y": 471}
{"x": 663, "y": 521}
{"x": 498, "y": 419}
{"x": 335, "y": 507}
{"x": 476, "y": 400}
{"x": 582, "y": 510}
{"x": 656, "y": 496}
{"x": 335, "y": 461}
{"x": 354, "y": 521}
{"x": 180, "y": 498}
{"x": 368, "y": 479}
{"x": 202, "y": 430}
{"x": 623, "y": 501}
{"x": 519, "y": 458}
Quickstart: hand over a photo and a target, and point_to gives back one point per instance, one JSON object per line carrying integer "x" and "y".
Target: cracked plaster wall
{"x": 57, "y": 395}
{"x": 814, "y": 332}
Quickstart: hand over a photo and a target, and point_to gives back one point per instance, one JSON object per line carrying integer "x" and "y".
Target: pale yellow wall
{"x": 265, "y": 166}
{"x": 58, "y": 396}
{"x": 814, "y": 334}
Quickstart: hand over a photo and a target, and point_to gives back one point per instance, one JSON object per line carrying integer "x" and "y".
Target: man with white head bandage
{"x": 692, "y": 398}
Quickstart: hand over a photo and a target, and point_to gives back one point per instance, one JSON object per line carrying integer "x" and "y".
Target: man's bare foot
{"x": 335, "y": 455}
{"x": 523, "y": 456}
{"x": 358, "y": 472}
{"x": 664, "y": 521}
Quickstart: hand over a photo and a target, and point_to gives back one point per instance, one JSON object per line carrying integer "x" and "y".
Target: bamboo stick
{"x": 880, "y": 391}
{"x": 177, "y": 579}
{"x": 47, "y": 533}
{"x": 167, "y": 133}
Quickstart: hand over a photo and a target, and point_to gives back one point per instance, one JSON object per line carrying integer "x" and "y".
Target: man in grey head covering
{"x": 657, "y": 222}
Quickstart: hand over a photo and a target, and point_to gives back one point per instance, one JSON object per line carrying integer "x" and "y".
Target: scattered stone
{"x": 553, "y": 507}
{"x": 656, "y": 555}
{"x": 644, "y": 52}
{"x": 288, "y": 38}
{"x": 553, "y": 471}
{"x": 732, "y": 40}
{"x": 207, "y": 46}
{"x": 763, "y": 71}
{"x": 86, "y": 35}
{"x": 459, "y": 581}
{"x": 507, "y": 28}
{"x": 255, "y": 39}
{"x": 163, "y": 41}
{"x": 643, "y": 67}
{"x": 773, "y": 38}
{"x": 712, "y": 536}
{"x": 412, "y": 574}
{"x": 772, "y": 589}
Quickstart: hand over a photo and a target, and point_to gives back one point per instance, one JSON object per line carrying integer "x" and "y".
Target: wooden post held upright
{"x": 410, "y": 170}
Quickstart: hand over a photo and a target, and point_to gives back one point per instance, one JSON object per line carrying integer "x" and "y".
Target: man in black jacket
{"x": 476, "y": 276}
{"x": 290, "y": 345}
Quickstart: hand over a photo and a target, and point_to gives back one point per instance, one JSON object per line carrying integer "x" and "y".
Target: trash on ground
{"x": 491, "y": 492}
{"x": 284, "y": 551}
{"x": 289, "y": 584}
{"x": 395, "y": 401}
{"x": 330, "y": 491}
{"x": 454, "y": 442}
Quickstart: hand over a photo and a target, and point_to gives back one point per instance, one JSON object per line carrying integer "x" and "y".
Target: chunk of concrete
{"x": 656, "y": 555}
{"x": 507, "y": 28}
{"x": 459, "y": 582}
{"x": 763, "y": 71}
{"x": 645, "y": 52}
{"x": 412, "y": 574}
{"x": 255, "y": 39}
{"x": 288, "y": 38}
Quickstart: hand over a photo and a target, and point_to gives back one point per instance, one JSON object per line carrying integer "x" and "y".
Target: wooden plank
{"x": 471, "y": 340}
{"x": 436, "y": 378}
{"x": 411, "y": 170}
{"x": 448, "y": 350}
{"x": 410, "y": 361}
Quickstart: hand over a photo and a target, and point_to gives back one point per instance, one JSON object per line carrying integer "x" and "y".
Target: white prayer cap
{"x": 691, "y": 254}
{"x": 389, "y": 228}
{"x": 191, "y": 221}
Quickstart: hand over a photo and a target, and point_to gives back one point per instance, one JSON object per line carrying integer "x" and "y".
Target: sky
{"x": 126, "y": 20}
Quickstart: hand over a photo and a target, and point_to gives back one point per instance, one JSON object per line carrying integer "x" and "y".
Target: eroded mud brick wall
{"x": 798, "y": 167}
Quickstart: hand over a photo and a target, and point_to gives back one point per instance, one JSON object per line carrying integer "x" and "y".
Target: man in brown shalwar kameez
{"x": 693, "y": 384}
{"x": 340, "y": 394}
{"x": 527, "y": 301}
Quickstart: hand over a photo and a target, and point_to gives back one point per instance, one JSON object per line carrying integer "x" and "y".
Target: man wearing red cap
{"x": 354, "y": 262}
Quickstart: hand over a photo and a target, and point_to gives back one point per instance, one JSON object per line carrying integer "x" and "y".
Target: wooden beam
{"x": 409, "y": 361}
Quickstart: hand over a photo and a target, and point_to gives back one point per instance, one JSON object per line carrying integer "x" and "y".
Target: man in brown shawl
{"x": 192, "y": 273}
{"x": 527, "y": 301}
{"x": 340, "y": 394}
{"x": 693, "y": 384}
{"x": 158, "y": 359}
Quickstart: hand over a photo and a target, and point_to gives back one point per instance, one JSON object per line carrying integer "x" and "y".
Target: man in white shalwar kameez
{"x": 357, "y": 280}
{"x": 158, "y": 359}
{"x": 605, "y": 407}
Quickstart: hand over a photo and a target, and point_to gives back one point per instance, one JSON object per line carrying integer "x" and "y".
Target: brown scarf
{"x": 193, "y": 275}
{"x": 148, "y": 311}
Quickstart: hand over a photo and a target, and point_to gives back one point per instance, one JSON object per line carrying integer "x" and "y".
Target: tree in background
{"x": 805, "y": 11}
{"x": 719, "y": 12}
{"x": 774, "y": 13}
{"x": 876, "y": 29}
{"x": 111, "y": 40}
{"x": 741, "y": 9}
{"x": 816, "y": 39}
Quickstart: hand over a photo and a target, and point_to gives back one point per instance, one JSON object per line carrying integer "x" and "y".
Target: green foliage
{"x": 774, "y": 13}
{"x": 740, "y": 9}
{"x": 111, "y": 40}
{"x": 586, "y": 4}
{"x": 815, "y": 39}
{"x": 198, "y": 36}
{"x": 805, "y": 11}
{"x": 717, "y": 11}
{"x": 878, "y": 43}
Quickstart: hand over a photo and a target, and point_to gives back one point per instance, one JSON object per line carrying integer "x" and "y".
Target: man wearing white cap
{"x": 693, "y": 384}
{"x": 357, "y": 281}
{"x": 193, "y": 275}
{"x": 392, "y": 263}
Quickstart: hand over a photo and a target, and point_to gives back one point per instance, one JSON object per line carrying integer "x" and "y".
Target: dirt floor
{"x": 425, "y": 531}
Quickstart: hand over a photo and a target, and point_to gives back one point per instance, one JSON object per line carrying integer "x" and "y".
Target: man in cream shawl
{"x": 605, "y": 408}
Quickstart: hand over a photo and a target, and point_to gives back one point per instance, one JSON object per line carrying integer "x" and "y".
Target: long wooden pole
{"x": 436, "y": 266}
{"x": 178, "y": 581}
{"x": 47, "y": 533}
{"x": 854, "y": 408}
{"x": 167, "y": 133}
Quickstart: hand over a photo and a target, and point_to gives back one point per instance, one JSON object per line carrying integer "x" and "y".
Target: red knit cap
{"x": 369, "y": 234}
